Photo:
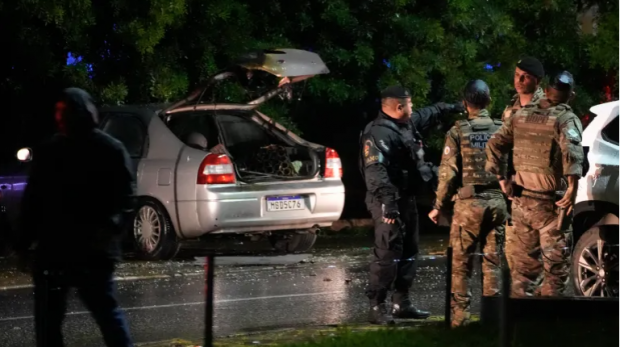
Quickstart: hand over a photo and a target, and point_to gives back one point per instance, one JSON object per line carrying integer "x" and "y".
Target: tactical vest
{"x": 474, "y": 135}
{"x": 403, "y": 161}
{"x": 535, "y": 150}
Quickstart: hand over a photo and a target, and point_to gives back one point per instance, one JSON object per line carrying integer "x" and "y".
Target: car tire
{"x": 153, "y": 235}
{"x": 590, "y": 270}
{"x": 295, "y": 243}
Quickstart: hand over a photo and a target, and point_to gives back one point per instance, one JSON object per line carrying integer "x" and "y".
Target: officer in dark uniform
{"x": 392, "y": 163}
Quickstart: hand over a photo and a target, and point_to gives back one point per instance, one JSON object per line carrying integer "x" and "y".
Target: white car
{"x": 595, "y": 222}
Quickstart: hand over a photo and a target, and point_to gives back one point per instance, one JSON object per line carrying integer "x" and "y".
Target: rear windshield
{"x": 239, "y": 132}
{"x": 242, "y": 132}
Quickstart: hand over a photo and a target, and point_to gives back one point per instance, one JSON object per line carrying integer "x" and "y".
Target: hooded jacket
{"x": 80, "y": 189}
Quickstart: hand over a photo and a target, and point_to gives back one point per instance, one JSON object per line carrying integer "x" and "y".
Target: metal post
{"x": 448, "y": 309}
{"x": 505, "y": 329}
{"x": 209, "y": 269}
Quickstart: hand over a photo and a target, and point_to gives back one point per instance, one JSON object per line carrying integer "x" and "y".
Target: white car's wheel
{"x": 153, "y": 235}
{"x": 595, "y": 266}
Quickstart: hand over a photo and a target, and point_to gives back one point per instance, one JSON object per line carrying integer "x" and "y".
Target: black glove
{"x": 457, "y": 108}
{"x": 390, "y": 211}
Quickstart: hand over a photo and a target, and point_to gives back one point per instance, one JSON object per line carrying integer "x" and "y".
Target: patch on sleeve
{"x": 371, "y": 154}
{"x": 446, "y": 150}
{"x": 573, "y": 133}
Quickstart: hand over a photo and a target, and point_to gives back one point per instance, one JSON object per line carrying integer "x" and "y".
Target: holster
{"x": 466, "y": 192}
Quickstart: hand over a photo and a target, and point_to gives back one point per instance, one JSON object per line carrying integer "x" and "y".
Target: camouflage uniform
{"x": 547, "y": 146}
{"x": 515, "y": 104}
{"x": 479, "y": 210}
{"x": 509, "y": 111}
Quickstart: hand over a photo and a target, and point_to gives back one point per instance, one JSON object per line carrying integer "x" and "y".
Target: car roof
{"x": 605, "y": 109}
{"x": 143, "y": 111}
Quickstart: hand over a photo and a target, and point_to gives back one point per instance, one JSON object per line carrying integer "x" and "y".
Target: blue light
{"x": 488, "y": 67}
{"x": 387, "y": 63}
{"x": 71, "y": 60}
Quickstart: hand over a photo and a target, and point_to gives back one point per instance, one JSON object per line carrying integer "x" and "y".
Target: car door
{"x": 130, "y": 130}
{"x": 605, "y": 156}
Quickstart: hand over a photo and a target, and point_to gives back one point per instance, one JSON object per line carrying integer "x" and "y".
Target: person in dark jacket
{"x": 393, "y": 166}
{"x": 79, "y": 194}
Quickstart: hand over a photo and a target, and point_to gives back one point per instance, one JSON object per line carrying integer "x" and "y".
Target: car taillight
{"x": 216, "y": 169}
{"x": 587, "y": 119}
{"x": 333, "y": 165}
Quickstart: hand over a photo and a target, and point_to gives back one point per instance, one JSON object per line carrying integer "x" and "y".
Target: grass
{"x": 429, "y": 334}
{"x": 474, "y": 335}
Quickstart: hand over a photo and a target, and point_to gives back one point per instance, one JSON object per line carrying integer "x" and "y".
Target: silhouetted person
{"x": 79, "y": 194}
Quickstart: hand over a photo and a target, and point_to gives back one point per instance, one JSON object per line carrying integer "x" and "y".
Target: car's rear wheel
{"x": 153, "y": 235}
{"x": 293, "y": 243}
{"x": 595, "y": 266}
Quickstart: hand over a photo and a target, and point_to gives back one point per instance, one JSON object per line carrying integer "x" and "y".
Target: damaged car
{"x": 210, "y": 167}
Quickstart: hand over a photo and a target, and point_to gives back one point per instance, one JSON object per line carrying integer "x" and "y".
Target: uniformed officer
{"x": 546, "y": 140}
{"x": 392, "y": 163}
{"x": 529, "y": 72}
{"x": 480, "y": 208}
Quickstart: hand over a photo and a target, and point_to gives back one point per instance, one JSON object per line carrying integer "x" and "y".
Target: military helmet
{"x": 563, "y": 82}
{"x": 477, "y": 93}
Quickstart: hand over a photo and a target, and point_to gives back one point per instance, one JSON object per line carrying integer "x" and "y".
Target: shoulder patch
{"x": 371, "y": 154}
{"x": 446, "y": 150}
{"x": 573, "y": 133}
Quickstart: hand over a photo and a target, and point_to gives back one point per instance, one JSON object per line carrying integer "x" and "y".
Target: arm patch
{"x": 372, "y": 154}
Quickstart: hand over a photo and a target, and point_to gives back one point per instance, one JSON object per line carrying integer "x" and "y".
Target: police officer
{"x": 392, "y": 163}
{"x": 546, "y": 140}
{"x": 480, "y": 208}
{"x": 529, "y": 72}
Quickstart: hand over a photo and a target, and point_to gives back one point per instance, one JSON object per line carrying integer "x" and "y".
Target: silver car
{"x": 205, "y": 168}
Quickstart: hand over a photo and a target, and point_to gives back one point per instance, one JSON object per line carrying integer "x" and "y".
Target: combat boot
{"x": 380, "y": 314}
{"x": 406, "y": 310}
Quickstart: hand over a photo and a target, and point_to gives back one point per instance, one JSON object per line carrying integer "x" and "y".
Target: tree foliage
{"x": 156, "y": 50}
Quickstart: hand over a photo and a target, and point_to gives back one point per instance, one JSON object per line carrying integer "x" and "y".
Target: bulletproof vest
{"x": 403, "y": 158}
{"x": 474, "y": 135}
{"x": 534, "y": 139}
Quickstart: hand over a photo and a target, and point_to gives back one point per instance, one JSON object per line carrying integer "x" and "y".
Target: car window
{"x": 183, "y": 125}
{"x": 240, "y": 132}
{"x": 128, "y": 129}
{"x": 610, "y": 132}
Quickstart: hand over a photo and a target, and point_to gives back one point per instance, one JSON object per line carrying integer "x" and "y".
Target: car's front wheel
{"x": 153, "y": 235}
{"x": 293, "y": 243}
{"x": 595, "y": 266}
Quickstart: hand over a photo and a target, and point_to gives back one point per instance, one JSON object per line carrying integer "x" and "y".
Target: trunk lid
{"x": 284, "y": 62}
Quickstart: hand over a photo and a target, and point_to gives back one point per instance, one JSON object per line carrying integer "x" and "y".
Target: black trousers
{"x": 395, "y": 251}
{"x": 95, "y": 286}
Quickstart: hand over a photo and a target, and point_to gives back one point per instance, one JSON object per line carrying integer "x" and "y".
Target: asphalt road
{"x": 247, "y": 298}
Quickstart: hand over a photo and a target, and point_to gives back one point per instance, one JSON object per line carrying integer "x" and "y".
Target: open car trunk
{"x": 261, "y": 154}
{"x": 260, "y": 150}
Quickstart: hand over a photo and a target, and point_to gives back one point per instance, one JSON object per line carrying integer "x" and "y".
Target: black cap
{"x": 477, "y": 93}
{"x": 532, "y": 66}
{"x": 563, "y": 82}
{"x": 396, "y": 92}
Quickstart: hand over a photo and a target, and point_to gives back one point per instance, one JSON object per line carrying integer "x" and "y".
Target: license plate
{"x": 285, "y": 203}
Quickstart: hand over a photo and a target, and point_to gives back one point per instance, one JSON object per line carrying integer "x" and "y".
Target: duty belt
{"x": 547, "y": 195}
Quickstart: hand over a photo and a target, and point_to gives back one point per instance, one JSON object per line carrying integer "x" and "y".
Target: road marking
{"x": 196, "y": 303}
{"x": 118, "y": 279}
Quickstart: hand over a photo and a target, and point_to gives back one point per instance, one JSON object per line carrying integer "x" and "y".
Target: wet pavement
{"x": 251, "y": 294}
